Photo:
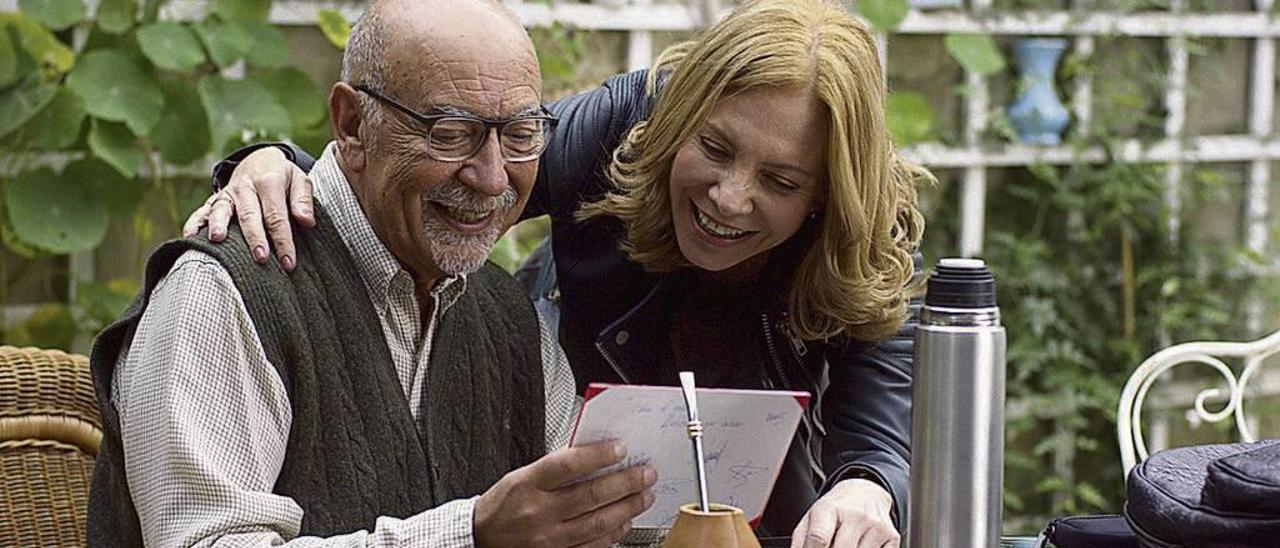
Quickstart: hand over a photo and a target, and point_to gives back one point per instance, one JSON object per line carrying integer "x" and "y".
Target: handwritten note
{"x": 746, "y": 436}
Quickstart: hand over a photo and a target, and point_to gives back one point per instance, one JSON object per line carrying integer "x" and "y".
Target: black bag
{"x": 1104, "y": 531}
{"x": 1207, "y": 496}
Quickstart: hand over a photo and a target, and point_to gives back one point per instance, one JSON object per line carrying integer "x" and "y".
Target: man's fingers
{"x": 271, "y": 194}
{"x": 822, "y": 527}
{"x": 570, "y": 463}
{"x": 609, "y": 539}
{"x": 584, "y": 497}
{"x": 607, "y": 519}
{"x": 300, "y": 197}
{"x": 249, "y": 213}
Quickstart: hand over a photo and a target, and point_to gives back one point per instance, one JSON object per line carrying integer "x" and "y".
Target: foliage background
{"x": 109, "y": 121}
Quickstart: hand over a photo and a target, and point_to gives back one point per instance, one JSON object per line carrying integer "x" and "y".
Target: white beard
{"x": 455, "y": 253}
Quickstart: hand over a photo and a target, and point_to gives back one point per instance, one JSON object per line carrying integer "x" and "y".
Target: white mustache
{"x": 457, "y": 196}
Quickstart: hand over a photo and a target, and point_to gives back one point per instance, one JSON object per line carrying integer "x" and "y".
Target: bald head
{"x": 413, "y": 58}
{"x": 433, "y": 29}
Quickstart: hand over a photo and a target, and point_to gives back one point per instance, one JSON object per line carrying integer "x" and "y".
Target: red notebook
{"x": 746, "y": 435}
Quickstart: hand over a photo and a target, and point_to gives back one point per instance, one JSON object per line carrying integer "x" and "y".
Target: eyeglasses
{"x": 458, "y": 137}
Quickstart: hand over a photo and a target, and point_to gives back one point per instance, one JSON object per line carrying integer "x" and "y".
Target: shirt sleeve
{"x": 561, "y": 400}
{"x": 205, "y": 421}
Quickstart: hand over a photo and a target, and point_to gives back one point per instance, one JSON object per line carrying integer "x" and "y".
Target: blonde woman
{"x": 740, "y": 212}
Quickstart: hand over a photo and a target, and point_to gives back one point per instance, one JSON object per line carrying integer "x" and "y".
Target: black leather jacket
{"x": 615, "y": 320}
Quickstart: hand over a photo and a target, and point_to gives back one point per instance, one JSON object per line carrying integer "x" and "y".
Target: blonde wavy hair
{"x": 855, "y": 279}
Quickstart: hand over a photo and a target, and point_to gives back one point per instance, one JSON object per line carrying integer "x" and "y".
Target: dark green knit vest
{"x": 354, "y": 452}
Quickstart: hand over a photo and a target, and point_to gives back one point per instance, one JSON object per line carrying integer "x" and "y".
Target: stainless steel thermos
{"x": 957, "y": 418}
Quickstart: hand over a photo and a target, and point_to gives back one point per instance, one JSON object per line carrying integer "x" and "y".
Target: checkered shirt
{"x": 205, "y": 418}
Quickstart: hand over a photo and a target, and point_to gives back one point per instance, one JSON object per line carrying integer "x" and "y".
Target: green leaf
{"x": 335, "y": 27}
{"x": 50, "y": 326}
{"x": 20, "y": 102}
{"x": 910, "y": 118}
{"x": 884, "y": 15}
{"x": 53, "y": 213}
{"x": 243, "y": 10}
{"x": 116, "y": 145}
{"x": 10, "y": 240}
{"x": 58, "y": 125}
{"x": 312, "y": 137}
{"x": 237, "y": 106}
{"x": 182, "y": 136}
{"x": 151, "y": 10}
{"x": 8, "y": 58}
{"x": 103, "y": 303}
{"x": 976, "y": 52}
{"x": 118, "y": 195}
{"x": 296, "y": 92}
{"x": 115, "y": 87}
{"x": 117, "y": 16}
{"x": 269, "y": 46}
{"x": 171, "y": 46}
{"x": 54, "y": 14}
{"x": 42, "y": 45}
{"x": 1090, "y": 495}
{"x": 226, "y": 42}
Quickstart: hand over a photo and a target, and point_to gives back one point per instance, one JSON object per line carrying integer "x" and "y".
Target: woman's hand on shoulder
{"x": 264, "y": 191}
{"x": 855, "y": 513}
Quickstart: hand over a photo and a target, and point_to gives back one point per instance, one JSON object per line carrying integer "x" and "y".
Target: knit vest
{"x": 354, "y": 451}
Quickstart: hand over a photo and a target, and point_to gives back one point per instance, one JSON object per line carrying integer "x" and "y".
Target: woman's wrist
{"x": 223, "y": 169}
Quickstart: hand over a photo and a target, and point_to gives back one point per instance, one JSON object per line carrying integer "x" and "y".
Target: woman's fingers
{"x": 271, "y": 192}
{"x": 197, "y": 219}
{"x": 248, "y": 211}
{"x": 802, "y": 529}
{"x": 300, "y": 198}
{"x": 220, "y": 212}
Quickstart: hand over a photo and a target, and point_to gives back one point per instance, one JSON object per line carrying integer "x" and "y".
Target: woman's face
{"x": 746, "y": 180}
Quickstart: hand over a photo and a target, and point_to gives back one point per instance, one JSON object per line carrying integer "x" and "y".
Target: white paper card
{"x": 746, "y": 435}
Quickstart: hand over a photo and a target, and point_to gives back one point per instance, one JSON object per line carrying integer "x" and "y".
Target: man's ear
{"x": 345, "y": 117}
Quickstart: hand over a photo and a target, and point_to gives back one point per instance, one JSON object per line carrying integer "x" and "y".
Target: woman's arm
{"x": 574, "y": 167}
{"x": 266, "y": 183}
{"x": 256, "y": 182}
{"x": 866, "y": 410}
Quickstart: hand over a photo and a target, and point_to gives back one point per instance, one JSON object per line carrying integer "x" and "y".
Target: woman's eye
{"x": 713, "y": 150}
{"x": 782, "y": 184}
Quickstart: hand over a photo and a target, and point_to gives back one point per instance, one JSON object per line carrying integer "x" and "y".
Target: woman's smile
{"x": 718, "y": 232}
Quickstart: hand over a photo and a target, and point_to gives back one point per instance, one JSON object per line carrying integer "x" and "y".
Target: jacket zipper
{"x": 773, "y": 352}
{"x": 608, "y": 358}
{"x": 797, "y": 346}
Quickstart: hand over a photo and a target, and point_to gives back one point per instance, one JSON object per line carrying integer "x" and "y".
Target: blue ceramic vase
{"x": 1038, "y": 115}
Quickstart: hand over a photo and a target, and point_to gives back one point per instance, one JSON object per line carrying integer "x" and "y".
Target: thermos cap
{"x": 961, "y": 283}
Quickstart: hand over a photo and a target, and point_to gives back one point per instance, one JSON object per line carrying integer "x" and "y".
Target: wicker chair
{"x": 49, "y": 435}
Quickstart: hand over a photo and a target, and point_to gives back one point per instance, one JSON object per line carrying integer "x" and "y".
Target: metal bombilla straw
{"x": 694, "y": 430}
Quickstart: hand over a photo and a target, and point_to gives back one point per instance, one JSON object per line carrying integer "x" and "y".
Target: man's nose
{"x": 486, "y": 171}
{"x": 732, "y": 195}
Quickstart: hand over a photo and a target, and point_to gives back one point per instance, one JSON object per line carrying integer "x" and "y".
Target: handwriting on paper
{"x": 746, "y": 435}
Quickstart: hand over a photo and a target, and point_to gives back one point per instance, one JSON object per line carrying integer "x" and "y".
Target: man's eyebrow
{"x": 449, "y": 109}
{"x": 455, "y": 111}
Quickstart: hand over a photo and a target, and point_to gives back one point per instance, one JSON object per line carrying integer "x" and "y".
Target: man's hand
{"x": 854, "y": 514}
{"x": 534, "y": 507}
{"x": 257, "y": 193}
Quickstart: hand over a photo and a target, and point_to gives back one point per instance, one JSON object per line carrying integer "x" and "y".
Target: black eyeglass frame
{"x": 429, "y": 121}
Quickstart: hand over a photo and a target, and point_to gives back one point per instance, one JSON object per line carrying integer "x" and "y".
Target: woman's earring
{"x": 813, "y": 215}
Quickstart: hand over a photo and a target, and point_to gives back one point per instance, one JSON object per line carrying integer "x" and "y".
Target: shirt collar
{"x": 377, "y": 265}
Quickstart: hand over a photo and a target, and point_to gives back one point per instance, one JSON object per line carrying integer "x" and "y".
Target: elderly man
{"x": 392, "y": 391}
